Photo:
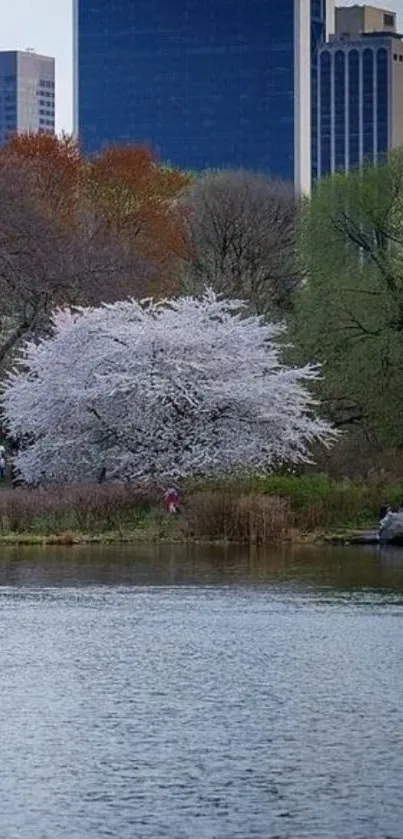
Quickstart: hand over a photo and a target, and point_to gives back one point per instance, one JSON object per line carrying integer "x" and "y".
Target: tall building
{"x": 360, "y": 90}
{"x": 205, "y": 83}
{"x": 322, "y": 28}
{"x": 27, "y": 93}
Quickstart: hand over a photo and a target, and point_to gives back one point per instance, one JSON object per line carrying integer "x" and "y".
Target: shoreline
{"x": 141, "y": 537}
{"x": 310, "y": 509}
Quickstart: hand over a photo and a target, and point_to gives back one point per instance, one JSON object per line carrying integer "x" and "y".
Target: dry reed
{"x": 86, "y": 508}
{"x": 253, "y": 518}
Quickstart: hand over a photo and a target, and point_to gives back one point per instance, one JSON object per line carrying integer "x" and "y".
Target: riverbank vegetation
{"x": 246, "y": 510}
{"x": 322, "y": 284}
{"x": 348, "y": 315}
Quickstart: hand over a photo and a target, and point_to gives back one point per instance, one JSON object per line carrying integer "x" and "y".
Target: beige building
{"x": 354, "y": 21}
{"x": 27, "y": 93}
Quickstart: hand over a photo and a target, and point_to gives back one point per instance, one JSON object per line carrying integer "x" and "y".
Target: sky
{"x": 46, "y": 26}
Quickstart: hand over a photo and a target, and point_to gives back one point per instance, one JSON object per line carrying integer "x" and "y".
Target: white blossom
{"x": 159, "y": 389}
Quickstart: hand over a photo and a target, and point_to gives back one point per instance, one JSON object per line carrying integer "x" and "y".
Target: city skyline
{"x": 46, "y": 27}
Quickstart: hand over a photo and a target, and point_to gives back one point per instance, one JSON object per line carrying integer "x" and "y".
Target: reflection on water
{"x": 346, "y": 568}
{"x": 170, "y": 692}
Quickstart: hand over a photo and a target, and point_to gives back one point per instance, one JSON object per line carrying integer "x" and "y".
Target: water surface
{"x": 165, "y": 692}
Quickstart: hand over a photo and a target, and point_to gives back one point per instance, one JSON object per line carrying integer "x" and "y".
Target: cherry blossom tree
{"x": 160, "y": 390}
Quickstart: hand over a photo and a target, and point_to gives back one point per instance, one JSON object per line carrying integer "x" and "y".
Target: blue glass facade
{"x": 205, "y": 83}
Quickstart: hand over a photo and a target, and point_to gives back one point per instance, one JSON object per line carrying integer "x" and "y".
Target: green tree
{"x": 349, "y": 312}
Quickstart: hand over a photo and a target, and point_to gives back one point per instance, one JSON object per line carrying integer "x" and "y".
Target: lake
{"x": 168, "y": 692}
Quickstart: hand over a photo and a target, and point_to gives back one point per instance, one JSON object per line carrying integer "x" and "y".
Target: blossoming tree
{"x": 159, "y": 390}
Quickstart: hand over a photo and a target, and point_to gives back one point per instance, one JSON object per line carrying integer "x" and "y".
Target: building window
{"x": 354, "y": 109}
{"x": 368, "y": 103}
{"x": 325, "y": 113}
{"x": 316, "y": 9}
{"x": 382, "y": 99}
{"x": 339, "y": 110}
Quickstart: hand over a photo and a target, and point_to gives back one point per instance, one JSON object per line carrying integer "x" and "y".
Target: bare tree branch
{"x": 242, "y": 230}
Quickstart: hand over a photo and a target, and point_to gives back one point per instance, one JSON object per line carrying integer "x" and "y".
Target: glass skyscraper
{"x": 205, "y": 83}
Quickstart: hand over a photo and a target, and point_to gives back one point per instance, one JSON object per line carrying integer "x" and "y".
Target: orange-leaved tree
{"x": 77, "y": 231}
{"x": 54, "y": 168}
{"x": 137, "y": 198}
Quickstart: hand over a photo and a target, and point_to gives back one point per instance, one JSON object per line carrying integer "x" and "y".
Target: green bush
{"x": 319, "y": 501}
{"x": 316, "y": 500}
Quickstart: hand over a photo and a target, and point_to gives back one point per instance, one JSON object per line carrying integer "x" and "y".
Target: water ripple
{"x": 222, "y": 711}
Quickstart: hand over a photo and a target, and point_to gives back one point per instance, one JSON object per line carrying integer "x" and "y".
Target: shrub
{"x": 226, "y": 516}
{"x": 316, "y": 500}
{"x": 86, "y": 508}
{"x": 247, "y": 510}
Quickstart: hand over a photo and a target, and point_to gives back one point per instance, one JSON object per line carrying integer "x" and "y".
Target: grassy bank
{"x": 260, "y": 510}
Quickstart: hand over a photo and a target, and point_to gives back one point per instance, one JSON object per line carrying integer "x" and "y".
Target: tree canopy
{"x": 350, "y": 308}
{"x": 241, "y": 227}
{"x": 159, "y": 389}
{"x": 77, "y": 231}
